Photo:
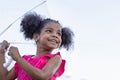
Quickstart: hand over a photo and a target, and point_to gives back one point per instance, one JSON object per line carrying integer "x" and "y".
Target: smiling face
{"x": 50, "y": 36}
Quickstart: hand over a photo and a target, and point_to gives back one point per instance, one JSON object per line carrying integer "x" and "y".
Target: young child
{"x": 48, "y": 35}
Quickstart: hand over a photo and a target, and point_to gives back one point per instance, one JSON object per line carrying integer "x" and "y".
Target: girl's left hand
{"x": 3, "y": 48}
{"x": 14, "y": 53}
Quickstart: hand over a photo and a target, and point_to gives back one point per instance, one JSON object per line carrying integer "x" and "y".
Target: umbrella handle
{"x": 8, "y": 62}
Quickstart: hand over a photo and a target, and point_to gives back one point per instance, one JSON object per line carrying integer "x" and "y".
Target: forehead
{"x": 53, "y": 25}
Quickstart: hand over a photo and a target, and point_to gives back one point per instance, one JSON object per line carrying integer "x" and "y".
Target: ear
{"x": 36, "y": 37}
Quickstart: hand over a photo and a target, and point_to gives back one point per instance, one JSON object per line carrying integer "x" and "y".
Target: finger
{"x": 2, "y": 50}
{"x": 6, "y": 44}
{"x": 11, "y": 48}
{"x": 9, "y": 53}
{"x": 1, "y": 45}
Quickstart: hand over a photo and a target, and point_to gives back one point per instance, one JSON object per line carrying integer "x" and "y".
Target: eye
{"x": 59, "y": 33}
{"x": 49, "y": 31}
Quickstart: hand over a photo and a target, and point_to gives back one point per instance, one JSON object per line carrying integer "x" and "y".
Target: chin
{"x": 52, "y": 47}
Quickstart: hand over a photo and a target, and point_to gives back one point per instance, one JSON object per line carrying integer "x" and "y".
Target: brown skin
{"x": 48, "y": 40}
{"x": 3, "y": 47}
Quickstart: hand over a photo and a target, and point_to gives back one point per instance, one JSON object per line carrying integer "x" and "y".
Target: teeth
{"x": 53, "y": 41}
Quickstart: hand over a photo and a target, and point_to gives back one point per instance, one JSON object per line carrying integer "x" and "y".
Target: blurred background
{"x": 95, "y": 23}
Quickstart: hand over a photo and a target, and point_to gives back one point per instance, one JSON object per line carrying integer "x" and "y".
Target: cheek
{"x": 60, "y": 41}
{"x": 41, "y": 39}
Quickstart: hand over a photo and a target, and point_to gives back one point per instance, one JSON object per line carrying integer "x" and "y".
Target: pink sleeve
{"x": 61, "y": 69}
{"x": 62, "y": 66}
{"x": 16, "y": 68}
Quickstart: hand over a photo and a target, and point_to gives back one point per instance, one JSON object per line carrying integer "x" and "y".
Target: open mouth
{"x": 53, "y": 41}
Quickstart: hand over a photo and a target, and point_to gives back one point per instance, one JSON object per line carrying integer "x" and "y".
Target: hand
{"x": 3, "y": 47}
{"x": 14, "y": 53}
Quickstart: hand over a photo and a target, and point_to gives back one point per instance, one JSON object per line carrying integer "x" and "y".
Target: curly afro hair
{"x": 33, "y": 23}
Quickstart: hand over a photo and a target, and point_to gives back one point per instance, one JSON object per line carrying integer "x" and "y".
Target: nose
{"x": 55, "y": 35}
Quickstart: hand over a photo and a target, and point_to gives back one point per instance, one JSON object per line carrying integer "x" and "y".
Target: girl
{"x": 48, "y": 35}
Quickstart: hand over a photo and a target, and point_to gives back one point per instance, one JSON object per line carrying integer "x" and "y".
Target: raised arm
{"x": 4, "y": 74}
{"x": 7, "y": 75}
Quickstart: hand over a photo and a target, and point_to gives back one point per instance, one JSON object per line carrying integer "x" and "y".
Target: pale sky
{"x": 96, "y": 24}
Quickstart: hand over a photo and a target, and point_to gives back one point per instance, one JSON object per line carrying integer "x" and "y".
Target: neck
{"x": 42, "y": 51}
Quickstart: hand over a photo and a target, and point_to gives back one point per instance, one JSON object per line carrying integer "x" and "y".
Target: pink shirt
{"x": 39, "y": 63}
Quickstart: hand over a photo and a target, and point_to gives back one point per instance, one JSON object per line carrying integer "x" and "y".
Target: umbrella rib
{"x": 20, "y": 17}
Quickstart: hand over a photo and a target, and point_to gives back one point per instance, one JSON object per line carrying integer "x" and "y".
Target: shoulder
{"x": 58, "y": 58}
{"x": 57, "y": 55}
